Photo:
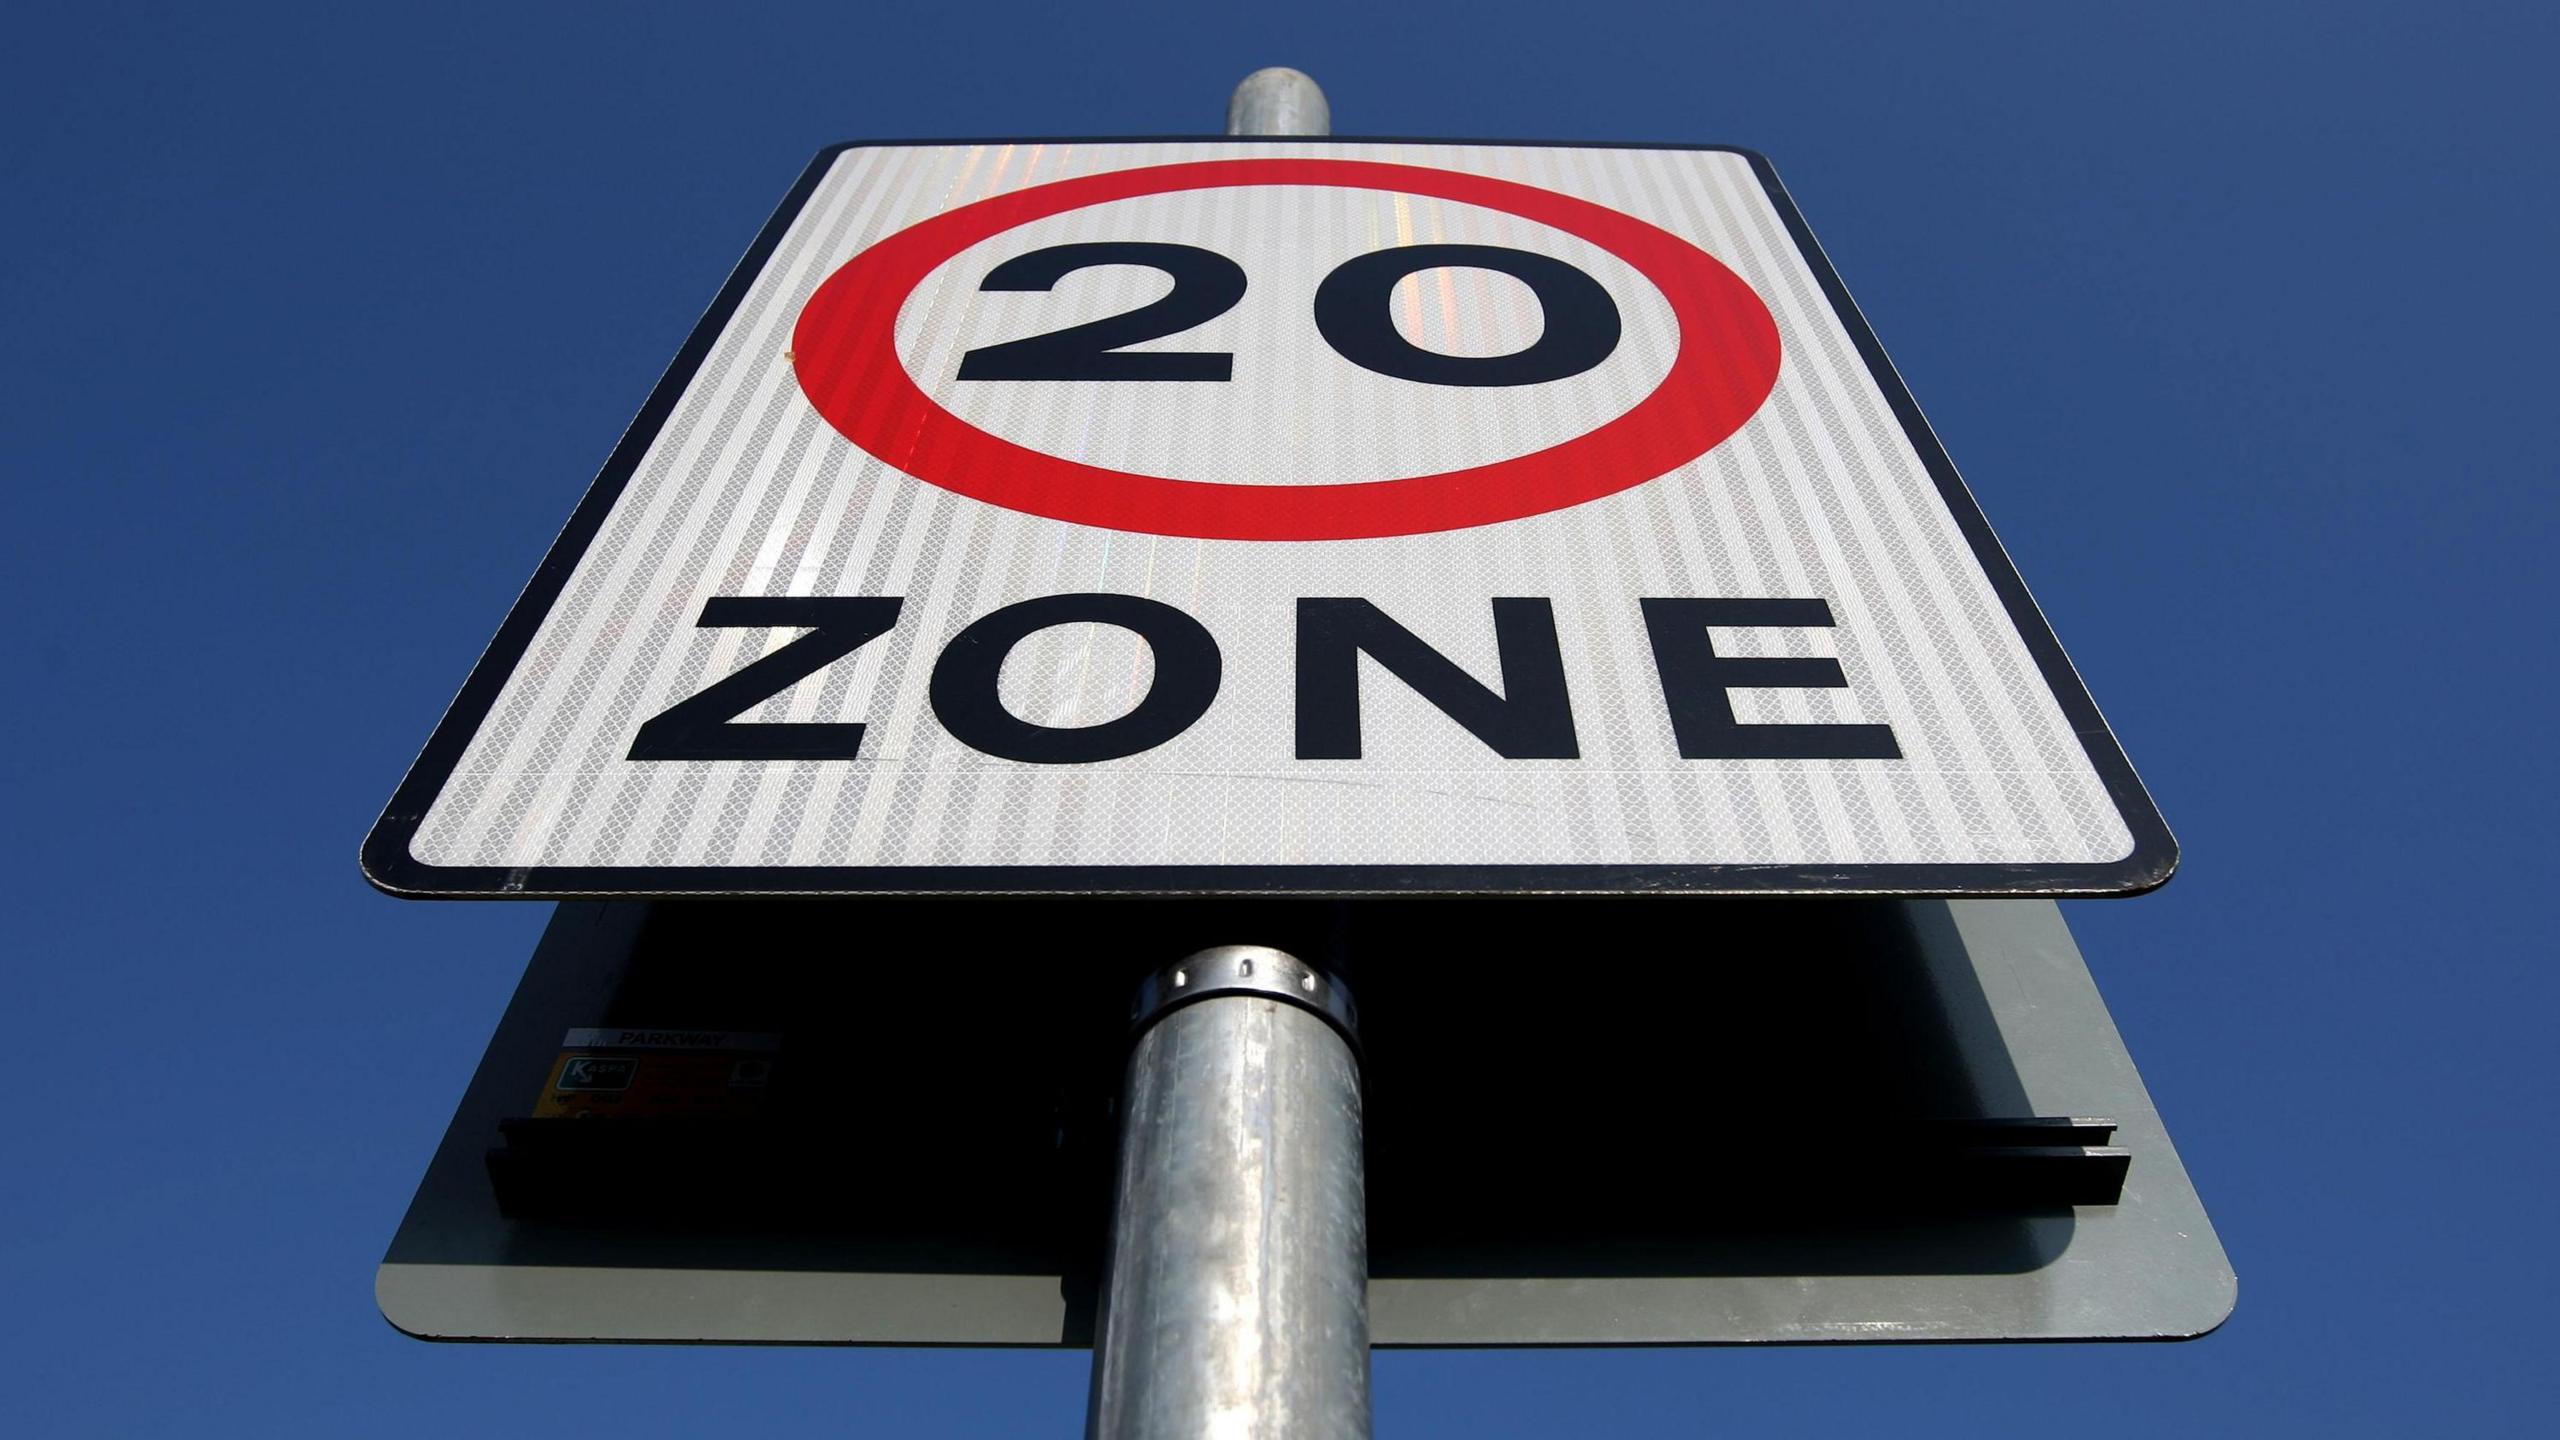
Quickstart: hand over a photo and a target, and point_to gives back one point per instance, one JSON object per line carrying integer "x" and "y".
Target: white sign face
{"x": 1235, "y": 516}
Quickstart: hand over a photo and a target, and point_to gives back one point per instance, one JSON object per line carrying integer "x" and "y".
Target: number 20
{"x": 1351, "y": 312}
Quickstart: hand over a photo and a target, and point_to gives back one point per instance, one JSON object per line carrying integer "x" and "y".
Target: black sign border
{"x": 389, "y": 865}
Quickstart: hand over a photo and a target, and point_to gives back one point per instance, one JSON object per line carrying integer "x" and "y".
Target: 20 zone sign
{"x": 1248, "y": 516}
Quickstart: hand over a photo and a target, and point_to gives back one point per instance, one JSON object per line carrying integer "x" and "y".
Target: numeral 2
{"x": 1206, "y": 285}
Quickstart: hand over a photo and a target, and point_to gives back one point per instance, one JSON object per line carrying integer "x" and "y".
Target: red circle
{"x": 846, "y": 354}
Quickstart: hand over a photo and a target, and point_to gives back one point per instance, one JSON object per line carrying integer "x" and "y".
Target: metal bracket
{"x": 1246, "y": 970}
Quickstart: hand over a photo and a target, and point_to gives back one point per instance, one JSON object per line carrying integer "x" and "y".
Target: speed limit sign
{"x": 1276, "y": 516}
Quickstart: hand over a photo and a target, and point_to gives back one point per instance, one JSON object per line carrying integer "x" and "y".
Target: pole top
{"x": 1277, "y": 100}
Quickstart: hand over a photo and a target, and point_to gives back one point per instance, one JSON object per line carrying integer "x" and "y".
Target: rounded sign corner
{"x": 393, "y": 1300}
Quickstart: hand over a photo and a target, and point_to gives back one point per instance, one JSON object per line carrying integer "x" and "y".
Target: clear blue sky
{"x": 317, "y": 322}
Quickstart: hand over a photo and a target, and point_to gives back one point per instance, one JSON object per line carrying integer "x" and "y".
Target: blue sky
{"x": 318, "y": 321}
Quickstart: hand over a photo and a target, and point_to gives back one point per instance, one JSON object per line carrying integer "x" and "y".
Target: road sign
{"x": 1285, "y": 515}
{"x": 1701, "y": 1152}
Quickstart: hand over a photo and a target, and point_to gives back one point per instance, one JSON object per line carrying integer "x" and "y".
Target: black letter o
{"x": 964, "y": 688}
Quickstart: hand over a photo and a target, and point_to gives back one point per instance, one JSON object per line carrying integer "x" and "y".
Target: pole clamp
{"x": 1246, "y": 970}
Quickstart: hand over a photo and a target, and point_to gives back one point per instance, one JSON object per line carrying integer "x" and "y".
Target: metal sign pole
{"x": 1235, "y": 1300}
{"x": 1278, "y": 101}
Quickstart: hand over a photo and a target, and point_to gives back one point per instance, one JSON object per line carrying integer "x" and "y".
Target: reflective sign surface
{"x": 1291, "y": 515}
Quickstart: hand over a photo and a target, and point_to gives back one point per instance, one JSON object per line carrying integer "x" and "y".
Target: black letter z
{"x": 698, "y": 729}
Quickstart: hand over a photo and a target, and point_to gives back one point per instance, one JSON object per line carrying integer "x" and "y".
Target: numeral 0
{"x": 1351, "y": 312}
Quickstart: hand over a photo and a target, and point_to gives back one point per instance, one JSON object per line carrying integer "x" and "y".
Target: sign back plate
{"x": 868, "y": 1163}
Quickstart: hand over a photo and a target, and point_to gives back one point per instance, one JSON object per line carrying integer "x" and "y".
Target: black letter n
{"x": 699, "y": 728}
{"x": 1532, "y": 719}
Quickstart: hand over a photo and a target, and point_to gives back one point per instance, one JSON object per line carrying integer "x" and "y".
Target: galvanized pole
{"x": 1235, "y": 1304}
{"x": 1278, "y": 101}
{"x": 1235, "y": 1300}
{"x": 1237, "y": 1287}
